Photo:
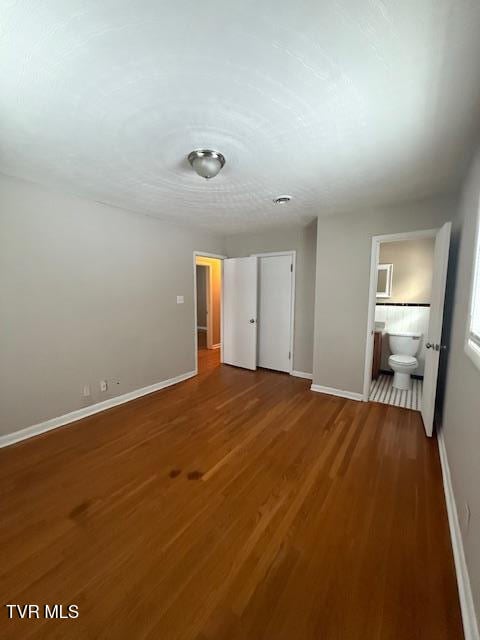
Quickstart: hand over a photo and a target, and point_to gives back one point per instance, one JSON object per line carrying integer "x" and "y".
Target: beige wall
{"x": 461, "y": 410}
{"x": 84, "y": 296}
{"x": 412, "y": 269}
{"x": 342, "y": 283}
{"x": 303, "y": 241}
{"x": 215, "y": 266}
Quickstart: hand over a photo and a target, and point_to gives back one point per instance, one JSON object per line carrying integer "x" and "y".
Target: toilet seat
{"x": 405, "y": 361}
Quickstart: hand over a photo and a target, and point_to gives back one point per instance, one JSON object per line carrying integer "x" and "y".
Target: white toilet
{"x": 404, "y": 348}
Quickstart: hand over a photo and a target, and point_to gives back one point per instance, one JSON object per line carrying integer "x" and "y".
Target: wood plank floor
{"x": 236, "y": 505}
{"x": 202, "y": 339}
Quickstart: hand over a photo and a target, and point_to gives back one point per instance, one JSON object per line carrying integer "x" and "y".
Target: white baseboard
{"x": 337, "y": 392}
{"x": 216, "y": 346}
{"x": 73, "y": 416}
{"x": 470, "y": 624}
{"x": 302, "y": 374}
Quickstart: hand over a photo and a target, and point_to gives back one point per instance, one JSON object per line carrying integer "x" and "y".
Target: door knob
{"x": 429, "y": 345}
{"x": 252, "y": 320}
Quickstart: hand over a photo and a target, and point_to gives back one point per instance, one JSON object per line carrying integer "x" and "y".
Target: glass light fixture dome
{"x": 206, "y": 163}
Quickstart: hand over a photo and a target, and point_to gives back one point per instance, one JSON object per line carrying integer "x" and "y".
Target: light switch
{"x": 180, "y": 300}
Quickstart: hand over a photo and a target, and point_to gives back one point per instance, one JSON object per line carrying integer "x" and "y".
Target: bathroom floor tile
{"x": 382, "y": 390}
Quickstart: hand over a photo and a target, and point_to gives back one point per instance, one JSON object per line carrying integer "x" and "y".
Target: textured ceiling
{"x": 340, "y": 103}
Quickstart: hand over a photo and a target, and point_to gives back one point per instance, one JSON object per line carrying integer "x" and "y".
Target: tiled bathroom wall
{"x": 403, "y": 318}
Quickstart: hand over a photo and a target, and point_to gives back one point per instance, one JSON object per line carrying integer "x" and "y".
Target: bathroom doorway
{"x": 407, "y": 289}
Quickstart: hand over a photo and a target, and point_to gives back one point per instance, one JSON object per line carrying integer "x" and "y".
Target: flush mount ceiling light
{"x": 206, "y": 163}
{"x": 282, "y": 199}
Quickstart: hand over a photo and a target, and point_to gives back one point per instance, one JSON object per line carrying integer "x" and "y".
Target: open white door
{"x": 434, "y": 337}
{"x": 240, "y": 312}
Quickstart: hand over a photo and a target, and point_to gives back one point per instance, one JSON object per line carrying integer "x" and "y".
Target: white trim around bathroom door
{"x": 372, "y": 296}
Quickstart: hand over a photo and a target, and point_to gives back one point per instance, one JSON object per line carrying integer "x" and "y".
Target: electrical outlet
{"x": 86, "y": 391}
{"x": 180, "y": 299}
{"x": 103, "y": 385}
{"x": 466, "y": 517}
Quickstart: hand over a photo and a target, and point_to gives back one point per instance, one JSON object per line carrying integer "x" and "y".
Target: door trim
{"x": 374, "y": 260}
{"x": 293, "y": 254}
{"x": 205, "y": 254}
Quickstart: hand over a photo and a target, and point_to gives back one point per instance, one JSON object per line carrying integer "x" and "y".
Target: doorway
{"x": 208, "y": 278}
{"x": 402, "y": 310}
{"x": 203, "y": 276}
{"x": 407, "y": 290}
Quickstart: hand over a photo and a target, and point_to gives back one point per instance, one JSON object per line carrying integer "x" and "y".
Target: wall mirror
{"x": 384, "y": 280}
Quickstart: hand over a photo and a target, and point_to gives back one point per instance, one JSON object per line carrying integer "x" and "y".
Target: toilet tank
{"x": 405, "y": 344}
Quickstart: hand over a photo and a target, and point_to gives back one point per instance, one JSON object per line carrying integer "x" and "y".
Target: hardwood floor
{"x": 236, "y": 505}
{"x": 202, "y": 339}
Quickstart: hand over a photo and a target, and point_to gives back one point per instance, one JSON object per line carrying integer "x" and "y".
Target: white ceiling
{"x": 340, "y": 103}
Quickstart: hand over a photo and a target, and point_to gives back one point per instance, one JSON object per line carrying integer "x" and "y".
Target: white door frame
{"x": 293, "y": 254}
{"x": 206, "y": 254}
{"x": 372, "y": 296}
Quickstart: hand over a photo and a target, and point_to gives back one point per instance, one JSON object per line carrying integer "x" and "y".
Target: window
{"x": 472, "y": 346}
